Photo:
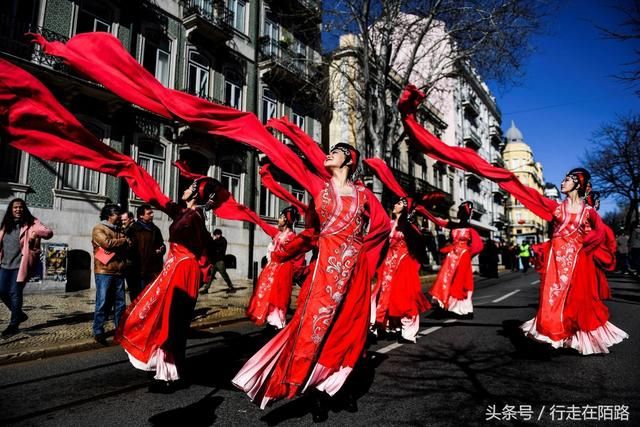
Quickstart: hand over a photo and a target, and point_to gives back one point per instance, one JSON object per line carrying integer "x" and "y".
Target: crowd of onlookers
{"x": 628, "y": 250}
{"x": 127, "y": 249}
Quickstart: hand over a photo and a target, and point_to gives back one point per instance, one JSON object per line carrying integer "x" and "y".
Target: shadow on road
{"x": 200, "y": 413}
{"x": 357, "y": 385}
{"x": 525, "y": 347}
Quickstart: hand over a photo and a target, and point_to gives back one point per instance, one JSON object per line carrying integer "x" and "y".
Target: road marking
{"x": 388, "y": 348}
{"x": 535, "y": 282}
{"x": 427, "y": 331}
{"x": 506, "y": 296}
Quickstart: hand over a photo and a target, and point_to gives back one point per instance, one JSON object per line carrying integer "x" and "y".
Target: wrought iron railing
{"x": 14, "y": 41}
{"x": 211, "y": 10}
{"x": 281, "y": 54}
{"x": 207, "y": 97}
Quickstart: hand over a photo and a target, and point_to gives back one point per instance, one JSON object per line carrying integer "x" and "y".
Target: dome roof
{"x": 514, "y": 134}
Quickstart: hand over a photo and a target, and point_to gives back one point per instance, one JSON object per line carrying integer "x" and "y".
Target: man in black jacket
{"x": 219, "y": 250}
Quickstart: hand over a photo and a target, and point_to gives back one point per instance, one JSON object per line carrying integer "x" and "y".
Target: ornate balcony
{"x": 207, "y": 97}
{"x": 14, "y": 42}
{"x": 310, "y": 9}
{"x": 497, "y": 161}
{"x": 208, "y": 18}
{"x": 495, "y": 134}
{"x": 470, "y": 104}
{"x": 286, "y": 67}
{"x": 471, "y": 138}
{"x": 417, "y": 186}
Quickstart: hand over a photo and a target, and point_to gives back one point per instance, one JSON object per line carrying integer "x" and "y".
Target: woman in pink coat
{"x": 20, "y": 235}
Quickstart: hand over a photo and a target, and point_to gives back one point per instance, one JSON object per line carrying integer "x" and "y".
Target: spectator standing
{"x": 525, "y": 254}
{"x": 219, "y": 250}
{"x": 622, "y": 252}
{"x": 20, "y": 235}
{"x": 109, "y": 260}
{"x": 491, "y": 258}
{"x": 147, "y": 251}
{"x": 130, "y": 274}
{"x": 634, "y": 246}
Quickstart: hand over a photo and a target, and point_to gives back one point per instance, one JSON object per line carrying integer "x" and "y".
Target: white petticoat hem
{"x": 161, "y": 362}
{"x": 596, "y": 341}
{"x": 461, "y": 306}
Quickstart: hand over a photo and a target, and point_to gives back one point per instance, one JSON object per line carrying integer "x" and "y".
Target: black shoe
{"x": 232, "y": 290}
{"x": 319, "y": 409}
{"x": 350, "y": 404}
{"x": 23, "y": 317}
{"x": 162, "y": 387}
{"x": 10, "y": 331}
{"x": 204, "y": 291}
{"x": 101, "y": 339}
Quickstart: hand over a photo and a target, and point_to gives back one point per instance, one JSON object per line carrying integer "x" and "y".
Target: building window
{"x": 157, "y": 56}
{"x": 94, "y": 16}
{"x": 79, "y": 178}
{"x": 232, "y": 183}
{"x": 269, "y": 105}
{"x": 298, "y": 194}
{"x": 297, "y": 119}
{"x": 269, "y": 204}
{"x": 9, "y": 163}
{"x": 238, "y": 9}
{"x": 299, "y": 53}
{"x": 231, "y": 172}
{"x": 233, "y": 85}
{"x": 198, "y": 83}
{"x": 272, "y": 34}
{"x": 151, "y": 156}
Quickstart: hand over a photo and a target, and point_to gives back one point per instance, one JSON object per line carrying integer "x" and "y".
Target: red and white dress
{"x": 571, "y": 313}
{"x": 272, "y": 293}
{"x": 398, "y": 289}
{"x": 453, "y": 287}
{"x": 327, "y": 334}
{"x": 153, "y": 330}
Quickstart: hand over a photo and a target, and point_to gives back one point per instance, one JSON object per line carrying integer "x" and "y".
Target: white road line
{"x": 388, "y": 348}
{"x": 503, "y": 297}
{"x": 535, "y": 282}
{"x": 427, "y": 331}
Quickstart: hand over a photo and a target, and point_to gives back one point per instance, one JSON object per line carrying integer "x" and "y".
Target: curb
{"x": 84, "y": 345}
{"x": 233, "y": 315}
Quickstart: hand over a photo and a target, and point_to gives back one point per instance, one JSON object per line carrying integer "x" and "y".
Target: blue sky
{"x": 568, "y": 91}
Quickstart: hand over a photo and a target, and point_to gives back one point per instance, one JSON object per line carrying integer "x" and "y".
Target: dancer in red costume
{"x": 400, "y": 297}
{"x": 568, "y": 314}
{"x": 154, "y": 328}
{"x": 272, "y": 292}
{"x": 571, "y": 313}
{"x": 327, "y": 334}
{"x": 453, "y": 287}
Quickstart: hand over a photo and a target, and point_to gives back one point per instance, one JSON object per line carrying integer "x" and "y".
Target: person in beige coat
{"x": 109, "y": 264}
{"x": 20, "y": 235}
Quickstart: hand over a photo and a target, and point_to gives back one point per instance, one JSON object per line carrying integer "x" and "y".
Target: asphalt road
{"x": 480, "y": 371}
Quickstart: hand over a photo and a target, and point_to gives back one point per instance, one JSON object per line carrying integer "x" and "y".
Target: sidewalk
{"x": 60, "y": 322}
